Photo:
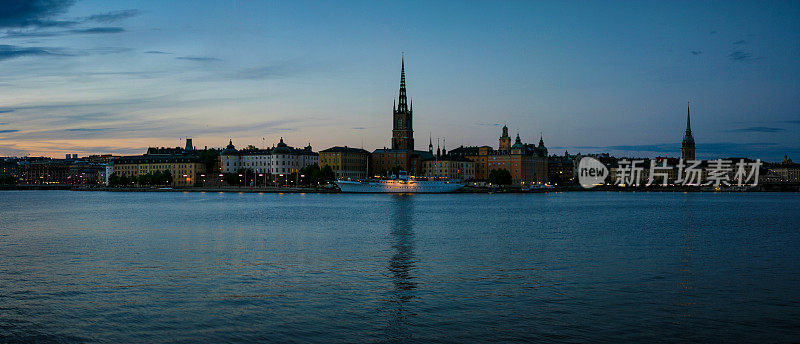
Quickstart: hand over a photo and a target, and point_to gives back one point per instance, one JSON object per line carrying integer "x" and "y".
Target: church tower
{"x": 687, "y": 147}
{"x": 402, "y": 129}
{"x": 505, "y": 141}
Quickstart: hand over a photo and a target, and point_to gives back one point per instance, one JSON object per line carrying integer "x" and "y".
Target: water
{"x": 558, "y": 267}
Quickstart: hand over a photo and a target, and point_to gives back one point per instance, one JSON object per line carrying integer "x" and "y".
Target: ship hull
{"x": 396, "y": 186}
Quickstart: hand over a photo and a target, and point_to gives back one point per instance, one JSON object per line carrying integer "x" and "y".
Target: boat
{"x": 402, "y": 183}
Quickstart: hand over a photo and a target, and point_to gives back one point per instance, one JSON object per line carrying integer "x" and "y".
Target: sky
{"x": 100, "y": 77}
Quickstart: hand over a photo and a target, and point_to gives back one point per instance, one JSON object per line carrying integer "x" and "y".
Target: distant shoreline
{"x": 234, "y": 189}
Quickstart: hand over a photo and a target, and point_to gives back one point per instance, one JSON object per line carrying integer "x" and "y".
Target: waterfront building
{"x": 281, "y": 159}
{"x": 687, "y": 146}
{"x": 478, "y": 154}
{"x": 287, "y": 159}
{"x": 49, "y": 171}
{"x": 786, "y": 171}
{"x": 232, "y": 160}
{"x": 11, "y": 168}
{"x": 82, "y": 172}
{"x": 346, "y": 162}
{"x": 527, "y": 163}
{"x": 560, "y": 169}
{"x": 184, "y": 166}
{"x": 109, "y": 170}
{"x": 450, "y": 167}
{"x": 387, "y": 160}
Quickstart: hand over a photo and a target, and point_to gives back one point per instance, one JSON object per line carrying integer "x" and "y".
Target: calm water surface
{"x": 558, "y": 267}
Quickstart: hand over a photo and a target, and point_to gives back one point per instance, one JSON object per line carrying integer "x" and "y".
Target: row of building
{"x": 526, "y": 163}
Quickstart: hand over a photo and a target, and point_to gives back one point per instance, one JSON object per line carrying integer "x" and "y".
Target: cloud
{"x": 13, "y": 51}
{"x": 88, "y": 129}
{"x": 696, "y": 52}
{"x": 9, "y": 131}
{"x": 278, "y": 70}
{"x": 198, "y": 58}
{"x": 6, "y": 110}
{"x": 94, "y": 30}
{"x": 712, "y": 33}
{"x": 26, "y": 34}
{"x": 793, "y": 121}
{"x": 756, "y": 130}
{"x": 739, "y": 42}
{"x": 113, "y": 16}
{"x": 37, "y": 33}
{"x": 740, "y": 55}
{"x": 156, "y": 52}
{"x": 28, "y": 13}
{"x": 359, "y": 128}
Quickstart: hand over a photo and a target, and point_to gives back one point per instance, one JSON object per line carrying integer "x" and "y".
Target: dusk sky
{"x": 94, "y": 77}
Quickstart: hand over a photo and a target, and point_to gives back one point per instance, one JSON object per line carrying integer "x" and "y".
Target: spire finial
{"x": 688, "y": 119}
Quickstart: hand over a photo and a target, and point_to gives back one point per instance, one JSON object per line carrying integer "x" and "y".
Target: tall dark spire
{"x": 402, "y": 102}
{"x": 687, "y": 146}
{"x": 688, "y": 121}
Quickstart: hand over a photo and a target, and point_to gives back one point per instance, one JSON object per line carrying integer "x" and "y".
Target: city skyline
{"x": 93, "y": 77}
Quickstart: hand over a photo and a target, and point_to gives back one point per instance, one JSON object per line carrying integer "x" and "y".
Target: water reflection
{"x": 402, "y": 266}
{"x": 686, "y": 283}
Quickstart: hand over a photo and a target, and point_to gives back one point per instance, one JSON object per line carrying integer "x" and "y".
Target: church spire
{"x": 688, "y": 121}
{"x": 687, "y": 146}
{"x": 402, "y": 102}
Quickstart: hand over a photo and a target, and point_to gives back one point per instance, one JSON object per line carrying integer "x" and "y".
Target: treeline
{"x": 500, "y": 177}
{"x": 8, "y": 180}
{"x": 155, "y": 178}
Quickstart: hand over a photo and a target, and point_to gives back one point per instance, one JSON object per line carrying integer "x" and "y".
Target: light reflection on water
{"x": 565, "y": 267}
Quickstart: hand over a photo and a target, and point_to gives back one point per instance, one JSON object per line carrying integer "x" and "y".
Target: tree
{"x": 144, "y": 179}
{"x": 9, "y": 180}
{"x": 113, "y": 179}
{"x": 500, "y": 177}
{"x": 232, "y": 179}
{"x": 166, "y": 177}
{"x": 210, "y": 158}
{"x": 311, "y": 175}
{"x": 327, "y": 173}
{"x": 157, "y": 178}
{"x": 251, "y": 147}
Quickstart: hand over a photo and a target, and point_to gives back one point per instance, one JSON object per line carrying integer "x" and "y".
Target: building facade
{"x": 281, "y": 159}
{"x": 346, "y": 162}
{"x": 480, "y": 155}
{"x": 450, "y": 167}
{"x": 184, "y": 168}
{"x": 527, "y": 163}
